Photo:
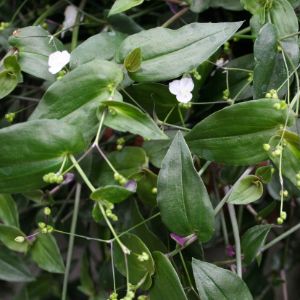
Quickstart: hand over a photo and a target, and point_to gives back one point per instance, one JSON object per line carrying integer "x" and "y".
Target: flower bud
{"x": 47, "y": 211}
{"x": 20, "y": 239}
{"x": 279, "y": 221}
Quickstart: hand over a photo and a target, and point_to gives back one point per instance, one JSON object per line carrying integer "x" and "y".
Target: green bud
{"x": 283, "y": 105}
{"x": 250, "y": 77}
{"x": 122, "y": 180}
{"x": 119, "y": 147}
{"x": 284, "y": 193}
{"x": 279, "y": 221}
{"x": 49, "y": 228}
{"x": 277, "y": 106}
{"x": 117, "y": 176}
{"x": 266, "y": 147}
{"x": 10, "y": 117}
{"x": 298, "y": 175}
{"x": 143, "y": 257}
{"x": 154, "y": 190}
{"x": 41, "y": 225}
{"x": 121, "y": 141}
{"x": 47, "y": 211}
{"x": 283, "y": 215}
{"x": 44, "y": 230}
{"x": 20, "y": 239}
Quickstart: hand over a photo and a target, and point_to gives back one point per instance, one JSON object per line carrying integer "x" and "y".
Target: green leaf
{"x": 8, "y": 211}
{"x": 218, "y": 138}
{"x": 182, "y": 197}
{"x": 133, "y": 60}
{"x": 253, "y": 240}
{"x": 227, "y": 4}
{"x": 145, "y": 187}
{"x": 126, "y": 117}
{"x": 7, "y": 237}
{"x": 86, "y": 281}
{"x": 111, "y": 193}
{"x": 154, "y": 98}
{"x": 30, "y": 150}
{"x": 265, "y": 53}
{"x": 169, "y": 53}
{"x": 34, "y": 45}
{"x": 124, "y": 24}
{"x": 217, "y": 283}
{"x": 123, "y": 5}
{"x": 138, "y": 270}
{"x": 166, "y": 283}
{"x": 76, "y": 97}
{"x": 128, "y": 161}
{"x": 8, "y": 82}
{"x": 99, "y": 46}
{"x": 254, "y": 6}
{"x": 265, "y": 173}
{"x": 290, "y": 164}
{"x": 246, "y": 190}
{"x": 13, "y": 268}
{"x": 46, "y": 254}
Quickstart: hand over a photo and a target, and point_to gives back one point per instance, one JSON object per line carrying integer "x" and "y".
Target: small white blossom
{"x": 70, "y": 18}
{"x": 57, "y": 60}
{"x": 221, "y": 62}
{"x": 182, "y": 89}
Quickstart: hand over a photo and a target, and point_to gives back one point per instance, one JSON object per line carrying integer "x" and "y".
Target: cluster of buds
{"x": 226, "y": 94}
{"x": 272, "y": 94}
{"x": 282, "y": 217}
{"x": 120, "y": 178}
{"x": 185, "y": 105}
{"x": 130, "y": 293}
{"x": 61, "y": 74}
{"x": 196, "y": 74}
{"x": 113, "y": 296}
{"x": 9, "y": 117}
{"x": 143, "y": 257}
{"x": 280, "y": 106}
{"x": 284, "y": 193}
{"x": 226, "y": 47}
{"x": 108, "y": 210}
{"x": 250, "y": 77}
{"x": 276, "y": 152}
{"x": 44, "y": 228}
{"x": 120, "y": 143}
{"x": 53, "y": 178}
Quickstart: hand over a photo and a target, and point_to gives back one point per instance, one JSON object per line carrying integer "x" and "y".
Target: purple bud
{"x": 131, "y": 186}
{"x": 181, "y": 240}
{"x": 68, "y": 177}
{"x": 230, "y": 251}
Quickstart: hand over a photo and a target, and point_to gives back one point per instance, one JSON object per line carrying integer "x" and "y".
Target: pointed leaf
{"x": 216, "y": 283}
{"x": 13, "y": 268}
{"x": 166, "y": 283}
{"x": 8, "y": 210}
{"x": 46, "y": 254}
{"x": 133, "y": 60}
{"x": 253, "y": 240}
{"x": 7, "y": 237}
{"x": 235, "y": 135}
{"x": 169, "y": 53}
{"x": 123, "y": 5}
{"x": 111, "y": 193}
{"x": 126, "y": 117}
{"x": 34, "y": 45}
{"x": 182, "y": 197}
{"x": 246, "y": 190}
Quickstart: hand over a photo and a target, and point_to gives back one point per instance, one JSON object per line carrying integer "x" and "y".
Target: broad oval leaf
{"x": 46, "y": 254}
{"x": 8, "y": 82}
{"x": 30, "y": 150}
{"x": 246, "y": 190}
{"x": 217, "y": 283}
{"x": 7, "y": 237}
{"x": 34, "y": 45}
{"x": 123, "y": 5}
{"x": 169, "y": 53}
{"x": 8, "y": 211}
{"x": 166, "y": 283}
{"x": 111, "y": 193}
{"x": 182, "y": 198}
{"x": 252, "y": 240}
{"x": 99, "y": 46}
{"x": 126, "y": 117}
{"x": 138, "y": 270}
{"x": 265, "y": 173}
{"x": 235, "y": 135}
{"x": 13, "y": 268}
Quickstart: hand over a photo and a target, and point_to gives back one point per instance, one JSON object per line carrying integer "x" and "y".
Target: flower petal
{"x": 186, "y": 84}
{"x": 184, "y": 97}
{"x": 174, "y": 87}
{"x": 57, "y": 60}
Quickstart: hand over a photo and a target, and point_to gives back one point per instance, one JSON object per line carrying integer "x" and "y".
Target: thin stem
{"x": 96, "y": 142}
{"x": 181, "y": 117}
{"x": 49, "y": 11}
{"x": 171, "y": 125}
{"x": 71, "y": 241}
{"x": 76, "y": 28}
{"x": 175, "y": 17}
{"x": 280, "y": 237}
{"x": 237, "y": 241}
{"x": 82, "y": 174}
{"x": 106, "y": 159}
{"x": 18, "y": 11}
{"x": 84, "y": 237}
{"x": 204, "y": 167}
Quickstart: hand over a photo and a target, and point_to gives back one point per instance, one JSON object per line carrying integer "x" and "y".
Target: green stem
{"x": 84, "y": 237}
{"x": 175, "y": 17}
{"x": 96, "y": 142}
{"x": 280, "y": 237}
{"x": 105, "y": 158}
{"x": 48, "y": 12}
{"x": 18, "y": 11}
{"x": 76, "y": 28}
{"x": 71, "y": 241}
{"x": 237, "y": 241}
{"x": 204, "y": 167}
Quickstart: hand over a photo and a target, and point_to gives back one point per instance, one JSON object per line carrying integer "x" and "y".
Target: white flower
{"x": 57, "y": 60}
{"x": 182, "y": 89}
{"x": 70, "y": 18}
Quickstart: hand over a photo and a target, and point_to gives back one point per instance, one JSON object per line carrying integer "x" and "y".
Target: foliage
{"x": 160, "y": 161}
